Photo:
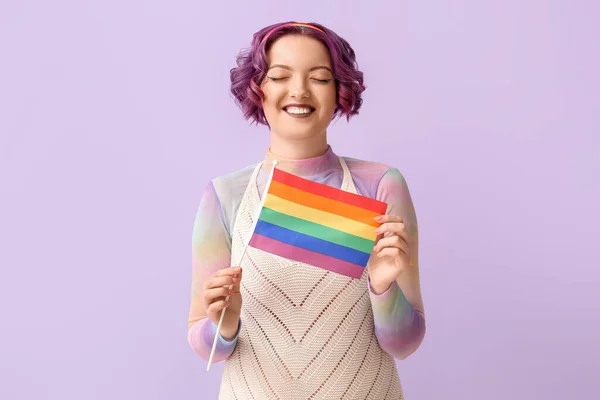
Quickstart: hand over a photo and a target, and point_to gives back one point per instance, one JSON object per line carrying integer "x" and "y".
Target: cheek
{"x": 330, "y": 99}
{"x": 271, "y": 96}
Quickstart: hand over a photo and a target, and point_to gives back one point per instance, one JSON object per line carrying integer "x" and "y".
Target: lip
{"x": 298, "y": 105}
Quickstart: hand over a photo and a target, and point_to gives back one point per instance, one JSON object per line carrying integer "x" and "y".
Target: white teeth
{"x": 298, "y": 110}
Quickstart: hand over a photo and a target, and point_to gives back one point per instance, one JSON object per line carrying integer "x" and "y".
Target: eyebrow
{"x": 289, "y": 69}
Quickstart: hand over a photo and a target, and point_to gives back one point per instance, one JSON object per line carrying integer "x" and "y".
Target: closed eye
{"x": 274, "y": 79}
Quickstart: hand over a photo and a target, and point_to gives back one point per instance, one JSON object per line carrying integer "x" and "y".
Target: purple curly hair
{"x": 252, "y": 67}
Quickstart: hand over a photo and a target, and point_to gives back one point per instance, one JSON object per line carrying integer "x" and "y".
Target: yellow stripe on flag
{"x": 320, "y": 217}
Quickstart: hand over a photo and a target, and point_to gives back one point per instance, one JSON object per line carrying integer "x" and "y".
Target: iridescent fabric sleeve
{"x": 398, "y": 312}
{"x": 211, "y": 251}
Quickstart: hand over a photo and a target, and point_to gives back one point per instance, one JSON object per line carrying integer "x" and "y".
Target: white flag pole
{"x": 262, "y": 202}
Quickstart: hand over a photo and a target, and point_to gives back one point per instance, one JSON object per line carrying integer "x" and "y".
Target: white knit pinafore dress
{"x": 306, "y": 333}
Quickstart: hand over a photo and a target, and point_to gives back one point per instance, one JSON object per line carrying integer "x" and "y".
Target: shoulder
{"x": 234, "y": 183}
{"x": 385, "y": 183}
{"x": 229, "y": 190}
{"x": 372, "y": 177}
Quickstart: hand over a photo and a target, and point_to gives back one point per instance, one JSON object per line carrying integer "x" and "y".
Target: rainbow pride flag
{"x": 317, "y": 224}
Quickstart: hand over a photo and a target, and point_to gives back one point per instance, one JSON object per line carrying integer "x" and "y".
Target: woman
{"x": 303, "y": 332}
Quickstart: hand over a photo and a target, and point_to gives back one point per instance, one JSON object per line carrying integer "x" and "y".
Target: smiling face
{"x": 299, "y": 89}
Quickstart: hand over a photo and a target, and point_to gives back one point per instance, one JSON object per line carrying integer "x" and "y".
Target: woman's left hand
{"x": 392, "y": 251}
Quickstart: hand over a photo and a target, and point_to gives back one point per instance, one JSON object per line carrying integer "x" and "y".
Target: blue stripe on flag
{"x": 311, "y": 243}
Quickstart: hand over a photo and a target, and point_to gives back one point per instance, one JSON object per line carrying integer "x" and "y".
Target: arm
{"x": 398, "y": 310}
{"x": 211, "y": 251}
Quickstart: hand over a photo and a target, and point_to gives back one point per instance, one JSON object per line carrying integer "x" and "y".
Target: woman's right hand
{"x": 216, "y": 290}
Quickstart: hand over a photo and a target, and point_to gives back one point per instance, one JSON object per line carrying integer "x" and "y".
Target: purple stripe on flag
{"x": 306, "y": 256}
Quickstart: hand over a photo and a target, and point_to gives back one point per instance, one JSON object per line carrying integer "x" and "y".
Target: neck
{"x": 323, "y": 163}
{"x": 298, "y": 149}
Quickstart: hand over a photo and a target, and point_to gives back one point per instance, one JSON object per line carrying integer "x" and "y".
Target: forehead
{"x": 298, "y": 51}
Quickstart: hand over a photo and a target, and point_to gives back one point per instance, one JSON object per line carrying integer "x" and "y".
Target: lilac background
{"x": 114, "y": 115}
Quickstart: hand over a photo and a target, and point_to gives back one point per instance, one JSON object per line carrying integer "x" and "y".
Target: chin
{"x": 301, "y": 128}
{"x": 300, "y": 132}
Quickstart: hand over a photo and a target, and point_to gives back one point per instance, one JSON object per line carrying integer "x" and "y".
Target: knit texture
{"x": 306, "y": 333}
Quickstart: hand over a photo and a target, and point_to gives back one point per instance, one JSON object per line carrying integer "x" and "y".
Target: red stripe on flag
{"x": 329, "y": 192}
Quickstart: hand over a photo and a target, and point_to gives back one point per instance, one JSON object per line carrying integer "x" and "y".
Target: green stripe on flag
{"x": 316, "y": 230}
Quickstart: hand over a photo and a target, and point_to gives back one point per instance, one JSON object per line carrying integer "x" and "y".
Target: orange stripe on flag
{"x": 329, "y": 192}
{"x": 324, "y": 204}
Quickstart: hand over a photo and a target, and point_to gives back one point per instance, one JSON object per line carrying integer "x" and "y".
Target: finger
{"x": 237, "y": 281}
{"x": 217, "y": 306}
{"x": 392, "y": 241}
{"x": 398, "y": 228}
{"x": 391, "y": 227}
{"x": 211, "y": 294}
{"x": 392, "y": 252}
{"x": 219, "y": 282}
{"x": 388, "y": 218}
{"x": 228, "y": 271}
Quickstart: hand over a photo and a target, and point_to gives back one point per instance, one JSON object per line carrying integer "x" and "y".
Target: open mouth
{"x": 299, "y": 111}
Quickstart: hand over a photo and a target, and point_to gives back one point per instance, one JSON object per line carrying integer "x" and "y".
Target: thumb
{"x": 236, "y": 286}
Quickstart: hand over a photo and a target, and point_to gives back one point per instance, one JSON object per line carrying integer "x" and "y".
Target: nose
{"x": 299, "y": 89}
